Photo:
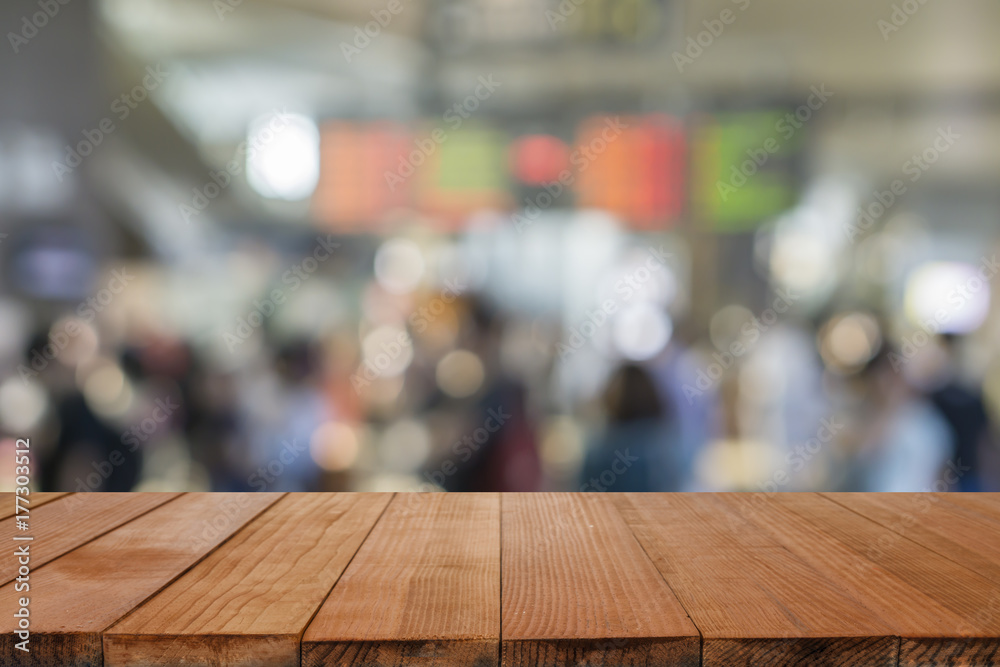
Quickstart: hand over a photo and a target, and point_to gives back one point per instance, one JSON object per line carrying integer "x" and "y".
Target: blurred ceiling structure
{"x": 231, "y": 60}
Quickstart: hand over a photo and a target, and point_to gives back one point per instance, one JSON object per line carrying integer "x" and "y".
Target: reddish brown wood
{"x": 59, "y": 527}
{"x": 78, "y": 596}
{"x": 249, "y": 602}
{"x": 520, "y": 580}
{"x": 952, "y": 585}
{"x": 424, "y": 589}
{"x": 754, "y": 602}
{"x": 578, "y": 589}
{"x": 36, "y": 499}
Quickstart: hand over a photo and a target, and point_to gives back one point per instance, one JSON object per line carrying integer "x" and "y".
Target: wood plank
{"x": 909, "y": 611}
{"x": 954, "y": 531}
{"x": 424, "y": 589}
{"x": 248, "y": 603}
{"x": 36, "y": 498}
{"x": 964, "y": 592}
{"x": 61, "y": 526}
{"x": 754, "y": 602}
{"x": 578, "y": 589}
{"x": 984, "y": 503}
{"x": 76, "y": 597}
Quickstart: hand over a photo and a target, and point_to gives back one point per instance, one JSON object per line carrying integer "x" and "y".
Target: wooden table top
{"x": 519, "y": 580}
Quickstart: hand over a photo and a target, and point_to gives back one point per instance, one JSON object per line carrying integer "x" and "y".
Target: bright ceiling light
{"x": 641, "y": 331}
{"x": 399, "y": 266}
{"x": 948, "y": 297}
{"x": 283, "y": 156}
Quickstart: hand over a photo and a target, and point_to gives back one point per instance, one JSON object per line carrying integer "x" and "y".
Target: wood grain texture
{"x": 37, "y": 499}
{"x": 424, "y": 589}
{"x": 754, "y": 602}
{"x": 79, "y": 595}
{"x": 578, "y": 589}
{"x": 645, "y": 652}
{"x": 520, "y": 580}
{"x": 967, "y": 594}
{"x": 470, "y": 653}
{"x": 248, "y": 603}
{"x": 983, "y": 503}
{"x": 941, "y": 523}
{"x": 61, "y": 526}
{"x": 910, "y": 612}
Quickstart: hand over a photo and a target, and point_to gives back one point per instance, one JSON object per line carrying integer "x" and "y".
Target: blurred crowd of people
{"x": 628, "y": 246}
{"x": 458, "y": 394}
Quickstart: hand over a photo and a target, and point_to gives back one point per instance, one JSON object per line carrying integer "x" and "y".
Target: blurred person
{"x": 283, "y": 406}
{"x": 89, "y": 453}
{"x": 965, "y": 413}
{"x": 507, "y": 458}
{"x": 673, "y": 371}
{"x": 781, "y": 386}
{"x": 211, "y": 423}
{"x": 904, "y": 442}
{"x": 638, "y": 447}
{"x": 160, "y": 370}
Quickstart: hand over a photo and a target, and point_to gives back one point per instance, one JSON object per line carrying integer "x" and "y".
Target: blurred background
{"x": 609, "y": 245}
